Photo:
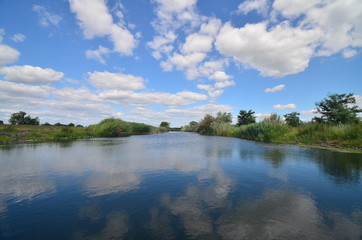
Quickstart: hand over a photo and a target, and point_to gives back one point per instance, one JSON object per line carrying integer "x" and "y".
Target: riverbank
{"x": 111, "y": 127}
{"x": 347, "y": 137}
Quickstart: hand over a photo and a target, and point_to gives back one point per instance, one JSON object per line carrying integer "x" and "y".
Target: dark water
{"x": 178, "y": 186}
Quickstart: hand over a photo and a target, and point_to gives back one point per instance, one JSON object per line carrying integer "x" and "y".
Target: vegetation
{"x": 246, "y": 117}
{"x": 338, "y": 109}
{"x": 292, "y": 119}
{"x": 339, "y": 127}
{"x": 110, "y": 127}
{"x": 19, "y": 118}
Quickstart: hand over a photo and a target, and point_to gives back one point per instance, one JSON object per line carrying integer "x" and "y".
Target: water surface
{"x": 178, "y": 186}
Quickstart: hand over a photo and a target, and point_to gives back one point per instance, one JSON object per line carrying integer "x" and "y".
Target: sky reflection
{"x": 180, "y": 185}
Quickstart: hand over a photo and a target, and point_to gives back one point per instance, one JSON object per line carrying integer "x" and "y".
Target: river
{"x": 178, "y": 186}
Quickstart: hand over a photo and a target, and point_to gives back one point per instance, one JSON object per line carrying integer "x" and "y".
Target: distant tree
{"x": 204, "y": 125}
{"x": 46, "y": 124}
{"x": 79, "y": 125}
{"x": 338, "y": 109}
{"x": 58, "y": 124}
{"x": 246, "y": 117}
{"x": 165, "y": 124}
{"x": 19, "y": 118}
{"x": 71, "y": 125}
{"x": 193, "y": 126}
{"x": 223, "y": 117}
{"x": 1, "y": 122}
{"x": 292, "y": 119}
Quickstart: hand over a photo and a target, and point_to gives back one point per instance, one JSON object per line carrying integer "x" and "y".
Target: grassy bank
{"x": 110, "y": 127}
{"x": 347, "y": 136}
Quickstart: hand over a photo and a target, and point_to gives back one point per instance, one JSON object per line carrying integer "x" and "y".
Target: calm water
{"x": 178, "y": 186}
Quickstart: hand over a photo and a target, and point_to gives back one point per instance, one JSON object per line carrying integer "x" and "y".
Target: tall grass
{"x": 113, "y": 127}
{"x": 110, "y": 127}
{"x": 274, "y": 129}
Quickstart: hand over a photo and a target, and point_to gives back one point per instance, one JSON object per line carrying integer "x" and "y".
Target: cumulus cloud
{"x": 275, "y": 89}
{"x": 76, "y": 95}
{"x": 224, "y": 84}
{"x": 162, "y": 44}
{"x": 197, "y": 43}
{"x": 152, "y": 98}
{"x": 260, "y": 6}
{"x": 98, "y": 54}
{"x": 95, "y": 20}
{"x": 10, "y": 89}
{"x": 30, "y": 75}
{"x": 120, "y": 81}
{"x": 220, "y": 76}
{"x": 46, "y": 18}
{"x": 293, "y": 33}
{"x": 186, "y": 61}
{"x": 18, "y": 37}
{"x": 278, "y": 51}
{"x": 287, "y": 106}
{"x": 8, "y": 54}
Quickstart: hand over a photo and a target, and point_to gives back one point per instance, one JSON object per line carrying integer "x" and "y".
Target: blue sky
{"x": 149, "y": 61}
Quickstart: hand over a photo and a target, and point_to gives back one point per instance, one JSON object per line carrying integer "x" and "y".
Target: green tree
{"x": 246, "y": 117}
{"x": 19, "y": 118}
{"x": 338, "y": 109}
{"x": 204, "y": 126}
{"x": 193, "y": 126}
{"x": 223, "y": 117}
{"x": 292, "y": 119}
{"x": 165, "y": 124}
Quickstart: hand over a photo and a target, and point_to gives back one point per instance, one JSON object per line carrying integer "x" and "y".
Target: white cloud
{"x": 18, "y": 37}
{"x": 262, "y": 116}
{"x": 46, "y": 18}
{"x": 76, "y": 95}
{"x": 204, "y": 87}
{"x": 309, "y": 112}
{"x": 8, "y": 54}
{"x": 224, "y": 84}
{"x": 97, "y": 54}
{"x": 275, "y": 89}
{"x": 107, "y": 80}
{"x": 13, "y": 90}
{"x": 198, "y": 112}
{"x": 211, "y": 28}
{"x": 287, "y": 106}
{"x": 207, "y": 69}
{"x": 30, "y": 75}
{"x": 187, "y": 61}
{"x": 261, "y": 6}
{"x": 220, "y": 76}
{"x": 197, "y": 43}
{"x": 152, "y": 98}
{"x": 213, "y": 91}
{"x": 337, "y": 20}
{"x": 95, "y": 20}
{"x": 296, "y": 7}
{"x": 175, "y": 6}
{"x": 340, "y": 22}
{"x": 162, "y": 44}
{"x": 348, "y": 53}
{"x": 278, "y": 51}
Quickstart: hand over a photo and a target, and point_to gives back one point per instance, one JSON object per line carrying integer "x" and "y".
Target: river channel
{"x": 178, "y": 186}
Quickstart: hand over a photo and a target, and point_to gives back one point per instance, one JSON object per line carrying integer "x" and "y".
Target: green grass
{"x": 110, "y": 127}
{"x": 348, "y": 136}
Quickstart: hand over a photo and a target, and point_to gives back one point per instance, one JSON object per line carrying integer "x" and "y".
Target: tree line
{"x": 335, "y": 109}
{"x": 20, "y": 118}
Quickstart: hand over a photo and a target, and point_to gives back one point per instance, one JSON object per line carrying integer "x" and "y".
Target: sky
{"x": 81, "y": 61}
